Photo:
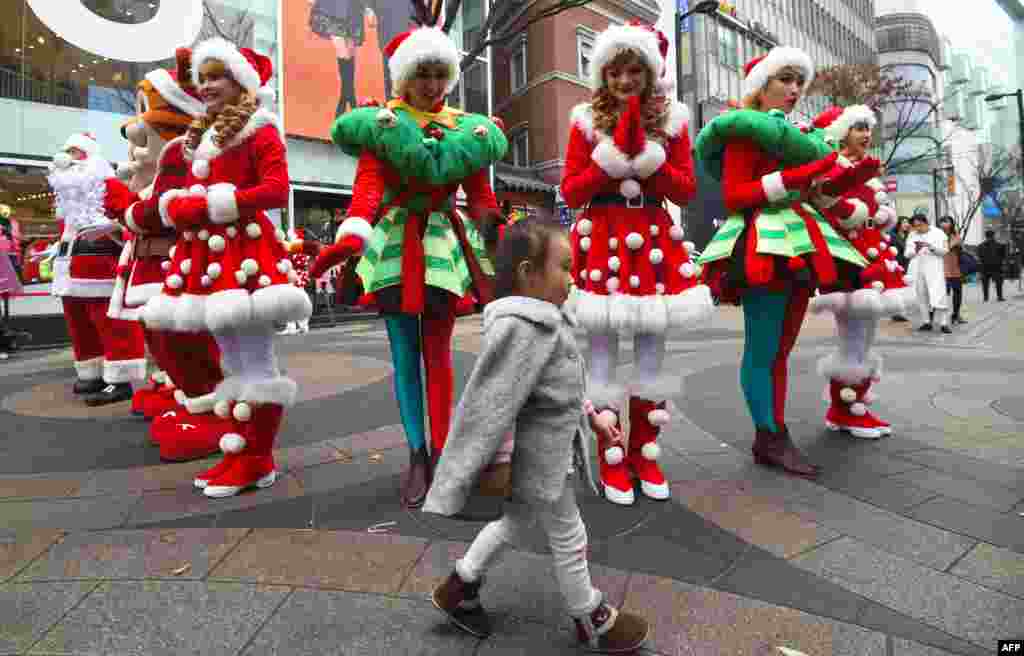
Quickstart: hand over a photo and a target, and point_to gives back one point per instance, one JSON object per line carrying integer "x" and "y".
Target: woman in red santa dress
{"x": 631, "y": 266}
{"x": 229, "y": 273}
{"x": 862, "y": 215}
{"x": 181, "y": 402}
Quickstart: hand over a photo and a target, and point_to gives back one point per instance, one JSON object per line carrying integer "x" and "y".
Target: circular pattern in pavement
{"x": 319, "y": 375}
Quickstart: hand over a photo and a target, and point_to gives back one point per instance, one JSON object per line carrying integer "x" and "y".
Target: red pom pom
{"x": 796, "y": 263}
{"x": 369, "y": 102}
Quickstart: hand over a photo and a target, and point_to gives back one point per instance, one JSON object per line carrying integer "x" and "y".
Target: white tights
{"x": 856, "y": 337}
{"x": 648, "y": 356}
{"x": 248, "y": 352}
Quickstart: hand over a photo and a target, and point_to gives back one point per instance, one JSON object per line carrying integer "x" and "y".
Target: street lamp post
{"x": 935, "y": 187}
{"x": 1019, "y": 95}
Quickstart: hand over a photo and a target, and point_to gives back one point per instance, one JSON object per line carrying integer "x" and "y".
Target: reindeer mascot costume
{"x": 632, "y": 268}
{"x": 180, "y": 401}
{"x": 862, "y": 215}
{"x": 109, "y": 353}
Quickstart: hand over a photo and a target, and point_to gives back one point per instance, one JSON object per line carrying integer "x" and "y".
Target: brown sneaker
{"x": 416, "y": 480}
{"x": 460, "y": 601}
{"x": 610, "y": 631}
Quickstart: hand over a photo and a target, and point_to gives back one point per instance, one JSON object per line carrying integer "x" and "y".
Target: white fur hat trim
{"x": 850, "y": 117}
{"x": 424, "y": 44}
{"x": 777, "y": 59}
{"x": 620, "y": 38}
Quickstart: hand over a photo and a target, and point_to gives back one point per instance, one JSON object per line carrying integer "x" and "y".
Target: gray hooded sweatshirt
{"x": 529, "y": 376}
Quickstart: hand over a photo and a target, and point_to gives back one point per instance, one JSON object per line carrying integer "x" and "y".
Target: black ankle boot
{"x": 88, "y": 386}
{"x": 112, "y": 393}
{"x": 416, "y": 480}
{"x": 460, "y": 601}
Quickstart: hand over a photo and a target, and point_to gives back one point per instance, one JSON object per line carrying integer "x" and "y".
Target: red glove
{"x": 801, "y": 177}
{"x": 117, "y": 199}
{"x": 332, "y": 256}
{"x": 188, "y": 211}
{"x": 851, "y": 177}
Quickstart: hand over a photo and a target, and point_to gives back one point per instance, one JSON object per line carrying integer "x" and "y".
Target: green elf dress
{"x": 769, "y": 256}
{"x": 420, "y": 254}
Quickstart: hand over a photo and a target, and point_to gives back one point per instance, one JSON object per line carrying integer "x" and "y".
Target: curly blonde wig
{"x": 227, "y": 122}
{"x": 654, "y": 106}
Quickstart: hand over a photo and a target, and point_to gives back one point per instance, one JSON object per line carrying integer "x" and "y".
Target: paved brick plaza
{"x": 908, "y": 546}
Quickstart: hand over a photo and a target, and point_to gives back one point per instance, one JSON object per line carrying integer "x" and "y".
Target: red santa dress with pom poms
{"x": 632, "y": 254}
{"x": 230, "y": 268}
{"x": 861, "y": 215}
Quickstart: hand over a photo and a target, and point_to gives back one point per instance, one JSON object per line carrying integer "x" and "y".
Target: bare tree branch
{"x": 982, "y": 173}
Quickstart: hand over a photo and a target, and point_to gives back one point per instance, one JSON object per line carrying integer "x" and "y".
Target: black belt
{"x": 643, "y": 200}
{"x": 85, "y": 247}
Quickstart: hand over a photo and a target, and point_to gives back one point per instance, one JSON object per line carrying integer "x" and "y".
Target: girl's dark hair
{"x": 524, "y": 241}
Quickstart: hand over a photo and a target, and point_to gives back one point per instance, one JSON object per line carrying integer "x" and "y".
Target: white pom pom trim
{"x": 232, "y": 443}
{"x": 655, "y": 231}
{"x": 174, "y": 281}
{"x": 585, "y": 244}
{"x": 201, "y": 168}
{"x": 242, "y": 411}
{"x": 585, "y": 227}
{"x": 658, "y": 417}
{"x": 659, "y": 288}
{"x": 595, "y": 275}
{"x": 232, "y": 231}
{"x": 848, "y": 395}
{"x": 240, "y": 277}
{"x": 186, "y": 266}
{"x": 676, "y": 233}
{"x": 614, "y": 263}
{"x": 858, "y": 409}
{"x": 264, "y": 280}
{"x": 165, "y": 265}
{"x": 250, "y": 266}
{"x": 612, "y": 284}
{"x": 254, "y": 231}
{"x": 613, "y": 243}
{"x": 205, "y": 281}
{"x": 650, "y": 451}
{"x": 214, "y": 270}
{"x": 203, "y": 235}
{"x": 656, "y": 256}
{"x": 613, "y": 455}
{"x": 634, "y": 281}
{"x": 222, "y": 409}
{"x": 217, "y": 244}
{"x": 687, "y": 270}
{"x": 872, "y": 252}
{"x": 634, "y": 241}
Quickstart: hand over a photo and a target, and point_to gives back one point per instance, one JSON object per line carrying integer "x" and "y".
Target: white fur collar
{"x": 582, "y": 116}
{"x": 207, "y": 150}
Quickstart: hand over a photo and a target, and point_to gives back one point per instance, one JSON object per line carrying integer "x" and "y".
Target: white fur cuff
{"x": 129, "y": 220}
{"x": 165, "y": 200}
{"x": 774, "y": 189}
{"x": 857, "y": 216}
{"x": 650, "y": 160}
{"x": 355, "y": 225}
{"x": 222, "y": 204}
{"x": 611, "y": 160}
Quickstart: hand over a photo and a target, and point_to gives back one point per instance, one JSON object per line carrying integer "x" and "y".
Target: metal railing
{"x": 14, "y": 84}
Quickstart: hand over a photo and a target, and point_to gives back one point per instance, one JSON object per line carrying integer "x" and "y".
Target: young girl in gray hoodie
{"x": 529, "y": 378}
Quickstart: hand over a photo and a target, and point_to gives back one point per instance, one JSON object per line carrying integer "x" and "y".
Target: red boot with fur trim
{"x": 143, "y": 396}
{"x": 847, "y": 411}
{"x": 159, "y": 403}
{"x": 867, "y": 397}
{"x": 616, "y": 481}
{"x": 253, "y": 461}
{"x": 645, "y": 420}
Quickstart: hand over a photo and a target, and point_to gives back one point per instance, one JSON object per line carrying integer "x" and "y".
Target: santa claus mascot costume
{"x": 181, "y": 401}
{"x": 863, "y": 215}
{"x": 229, "y": 272}
{"x": 775, "y": 248}
{"x": 628, "y": 152}
{"x": 109, "y": 353}
{"x": 419, "y": 255}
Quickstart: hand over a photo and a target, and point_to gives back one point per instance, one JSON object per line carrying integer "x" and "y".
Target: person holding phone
{"x": 926, "y": 247}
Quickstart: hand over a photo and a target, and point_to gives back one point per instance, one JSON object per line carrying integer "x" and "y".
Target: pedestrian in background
{"x": 926, "y": 246}
{"x": 898, "y": 237}
{"x": 992, "y": 254}
{"x": 951, "y": 267}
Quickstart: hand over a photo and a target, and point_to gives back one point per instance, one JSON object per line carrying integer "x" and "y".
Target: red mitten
{"x": 117, "y": 199}
{"x": 188, "y": 211}
{"x": 332, "y": 256}
{"x": 851, "y": 177}
{"x": 801, "y": 177}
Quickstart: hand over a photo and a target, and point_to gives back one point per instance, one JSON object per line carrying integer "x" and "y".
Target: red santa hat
{"x": 85, "y": 142}
{"x": 837, "y": 121}
{"x": 649, "y": 43}
{"x": 176, "y": 87}
{"x": 418, "y": 46}
{"x": 761, "y": 69}
{"x": 250, "y": 69}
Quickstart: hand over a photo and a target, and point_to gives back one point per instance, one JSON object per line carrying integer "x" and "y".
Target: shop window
{"x": 519, "y": 148}
{"x": 584, "y": 52}
{"x": 517, "y": 66}
{"x": 728, "y": 47}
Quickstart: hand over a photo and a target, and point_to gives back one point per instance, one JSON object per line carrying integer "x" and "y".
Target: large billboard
{"x": 333, "y": 58}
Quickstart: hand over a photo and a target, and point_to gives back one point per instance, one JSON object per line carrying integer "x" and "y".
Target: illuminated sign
{"x": 175, "y": 24}
{"x": 727, "y": 9}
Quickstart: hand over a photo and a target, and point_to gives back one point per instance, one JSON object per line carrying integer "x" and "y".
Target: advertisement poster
{"x": 333, "y": 58}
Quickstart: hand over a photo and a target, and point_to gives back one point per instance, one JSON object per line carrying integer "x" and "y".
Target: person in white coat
{"x": 925, "y": 248}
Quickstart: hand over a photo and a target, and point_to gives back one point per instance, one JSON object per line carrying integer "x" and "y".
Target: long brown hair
{"x": 654, "y": 106}
{"x": 226, "y": 123}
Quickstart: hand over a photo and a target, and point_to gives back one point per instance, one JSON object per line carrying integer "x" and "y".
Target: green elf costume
{"x": 774, "y": 249}
{"x": 419, "y": 255}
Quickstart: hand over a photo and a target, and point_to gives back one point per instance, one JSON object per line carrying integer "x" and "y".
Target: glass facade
{"x": 59, "y": 78}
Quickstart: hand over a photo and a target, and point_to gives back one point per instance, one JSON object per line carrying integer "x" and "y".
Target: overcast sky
{"x": 979, "y": 27}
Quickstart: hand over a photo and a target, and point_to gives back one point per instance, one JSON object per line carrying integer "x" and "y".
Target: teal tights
{"x": 764, "y": 318}
{"x": 404, "y": 336}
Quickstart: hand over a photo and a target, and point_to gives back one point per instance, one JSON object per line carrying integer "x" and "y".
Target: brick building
{"x": 537, "y": 80}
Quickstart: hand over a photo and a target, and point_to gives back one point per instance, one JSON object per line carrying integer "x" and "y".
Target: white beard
{"x": 80, "y": 191}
